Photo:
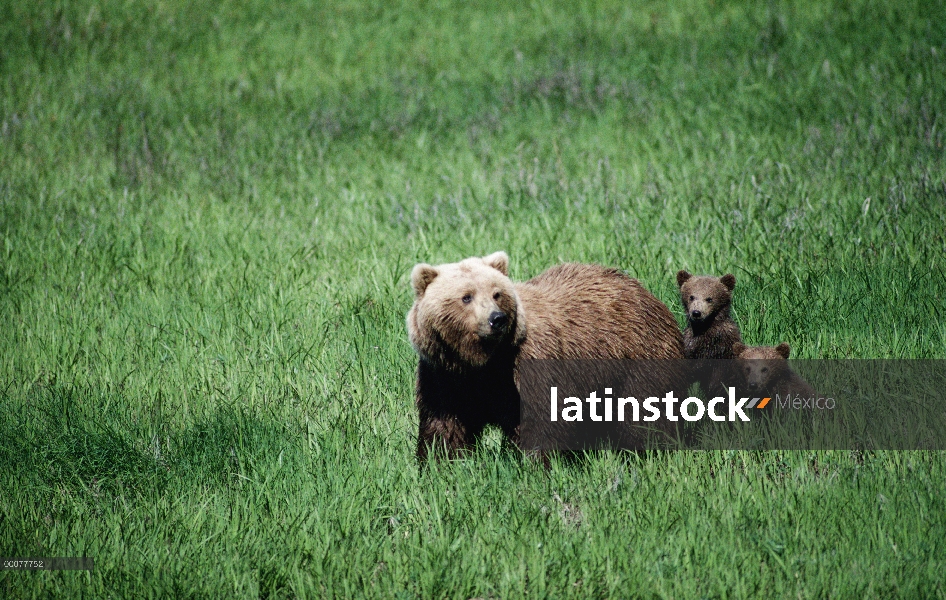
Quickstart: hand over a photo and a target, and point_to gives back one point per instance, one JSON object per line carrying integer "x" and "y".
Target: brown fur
{"x": 765, "y": 369}
{"x": 711, "y": 331}
{"x": 468, "y": 373}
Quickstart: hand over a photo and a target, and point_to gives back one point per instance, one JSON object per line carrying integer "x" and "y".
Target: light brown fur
{"x": 468, "y": 372}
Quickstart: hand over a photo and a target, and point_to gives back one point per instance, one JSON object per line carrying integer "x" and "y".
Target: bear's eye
{"x": 765, "y": 369}
{"x": 709, "y": 299}
{"x": 692, "y": 297}
{"x": 497, "y": 295}
{"x": 468, "y": 298}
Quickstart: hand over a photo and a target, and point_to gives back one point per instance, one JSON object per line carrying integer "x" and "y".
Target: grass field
{"x": 208, "y": 219}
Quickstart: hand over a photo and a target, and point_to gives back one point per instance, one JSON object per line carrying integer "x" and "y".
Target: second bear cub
{"x": 765, "y": 370}
{"x": 711, "y": 331}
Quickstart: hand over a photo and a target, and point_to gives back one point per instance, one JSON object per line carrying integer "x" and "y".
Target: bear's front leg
{"x": 442, "y": 436}
{"x": 447, "y": 426}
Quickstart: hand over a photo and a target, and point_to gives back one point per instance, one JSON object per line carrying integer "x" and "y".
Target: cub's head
{"x": 464, "y": 312}
{"x": 703, "y": 296}
{"x": 761, "y": 365}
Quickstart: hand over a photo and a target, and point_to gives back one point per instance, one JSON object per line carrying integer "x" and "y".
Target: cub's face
{"x": 762, "y": 365}
{"x": 703, "y": 296}
{"x": 463, "y": 312}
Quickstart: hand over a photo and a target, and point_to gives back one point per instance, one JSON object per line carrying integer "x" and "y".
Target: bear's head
{"x": 704, "y": 297}
{"x": 761, "y": 365}
{"x": 464, "y": 312}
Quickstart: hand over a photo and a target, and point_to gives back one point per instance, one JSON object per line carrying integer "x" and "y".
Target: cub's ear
{"x": 783, "y": 350}
{"x": 738, "y": 348}
{"x": 729, "y": 280}
{"x": 682, "y": 277}
{"x": 499, "y": 261}
{"x": 421, "y": 277}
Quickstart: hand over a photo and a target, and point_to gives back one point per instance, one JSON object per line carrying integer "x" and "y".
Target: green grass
{"x": 208, "y": 218}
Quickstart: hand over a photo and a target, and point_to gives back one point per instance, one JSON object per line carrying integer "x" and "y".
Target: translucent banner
{"x": 733, "y": 404}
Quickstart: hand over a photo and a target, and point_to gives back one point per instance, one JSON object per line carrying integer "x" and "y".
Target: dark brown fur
{"x": 764, "y": 369}
{"x": 468, "y": 373}
{"x": 711, "y": 331}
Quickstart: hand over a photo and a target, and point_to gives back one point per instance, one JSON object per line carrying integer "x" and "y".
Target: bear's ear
{"x": 421, "y": 277}
{"x": 738, "y": 348}
{"x": 729, "y": 280}
{"x": 499, "y": 261}
{"x": 783, "y": 350}
{"x": 682, "y": 277}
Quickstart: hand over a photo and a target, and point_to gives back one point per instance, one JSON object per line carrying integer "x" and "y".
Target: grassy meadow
{"x": 208, "y": 217}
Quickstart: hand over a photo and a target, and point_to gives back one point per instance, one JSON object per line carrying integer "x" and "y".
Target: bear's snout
{"x": 498, "y": 321}
{"x": 696, "y": 315}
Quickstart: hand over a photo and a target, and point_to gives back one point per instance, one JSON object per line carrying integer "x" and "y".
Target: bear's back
{"x": 589, "y": 311}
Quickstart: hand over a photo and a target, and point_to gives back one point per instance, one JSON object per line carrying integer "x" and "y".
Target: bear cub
{"x": 711, "y": 331}
{"x": 765, "y": 370}
{"x": 471, "y": 327}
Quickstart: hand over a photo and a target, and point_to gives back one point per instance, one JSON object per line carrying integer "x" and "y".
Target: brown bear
{"x": 711, "y": 331}
{"x": 765, "y": 370}
{"x": 472, "y": 326}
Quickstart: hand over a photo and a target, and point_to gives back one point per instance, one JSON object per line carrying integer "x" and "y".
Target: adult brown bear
{"x": 472, "y": 327}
